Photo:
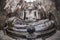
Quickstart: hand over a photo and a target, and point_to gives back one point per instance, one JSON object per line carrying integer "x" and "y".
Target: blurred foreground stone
{"x": 54, "y": 37}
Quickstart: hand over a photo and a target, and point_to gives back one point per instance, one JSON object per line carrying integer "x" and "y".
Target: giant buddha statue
{"x": 31, "y": 22}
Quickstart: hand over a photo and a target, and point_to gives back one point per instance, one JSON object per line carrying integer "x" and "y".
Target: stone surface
{"x": 54, "y": 37}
